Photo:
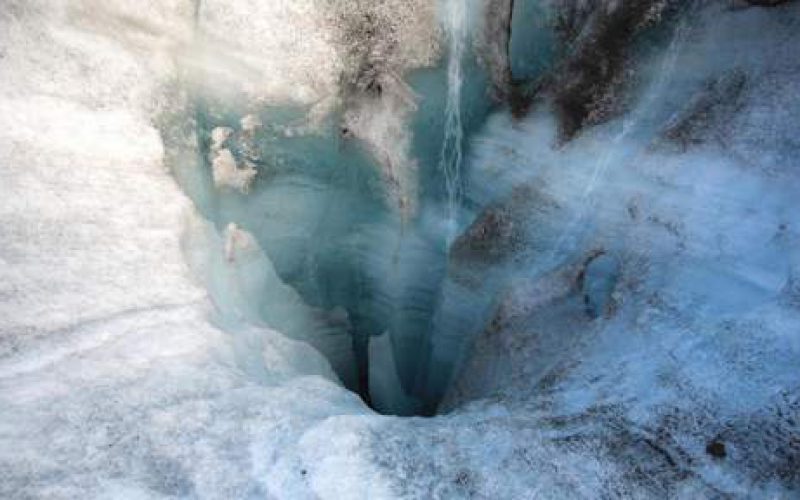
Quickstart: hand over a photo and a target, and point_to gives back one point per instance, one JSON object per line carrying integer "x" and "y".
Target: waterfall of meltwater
{"x": 451, "y": 155}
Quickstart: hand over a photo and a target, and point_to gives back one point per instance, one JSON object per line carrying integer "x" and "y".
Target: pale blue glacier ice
{"x": 399, "y": 249}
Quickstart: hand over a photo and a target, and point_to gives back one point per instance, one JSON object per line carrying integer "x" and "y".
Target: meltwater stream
{"x": 452, "y": 155}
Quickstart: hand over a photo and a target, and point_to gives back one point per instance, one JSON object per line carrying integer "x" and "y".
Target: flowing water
{"x": 452, "y": 154}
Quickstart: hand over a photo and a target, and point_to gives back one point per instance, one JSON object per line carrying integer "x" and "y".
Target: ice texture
{"x": 614, "y": 313}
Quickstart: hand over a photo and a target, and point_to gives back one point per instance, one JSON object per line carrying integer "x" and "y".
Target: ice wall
{"x": 353, "y": 195}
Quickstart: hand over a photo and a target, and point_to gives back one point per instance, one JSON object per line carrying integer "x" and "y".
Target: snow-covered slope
{"x": 113, "y": 383}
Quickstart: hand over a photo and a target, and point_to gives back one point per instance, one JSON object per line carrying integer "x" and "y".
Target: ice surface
{"x": 611, "y": 307}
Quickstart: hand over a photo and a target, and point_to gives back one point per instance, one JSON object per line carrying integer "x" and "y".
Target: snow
{"x": 278, "y": 51}
{"x": 146, "y": 352}
{"x": 114, "y": 383}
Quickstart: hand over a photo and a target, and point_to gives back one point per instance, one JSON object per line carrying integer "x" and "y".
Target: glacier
{"x": 399, "y": 249}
